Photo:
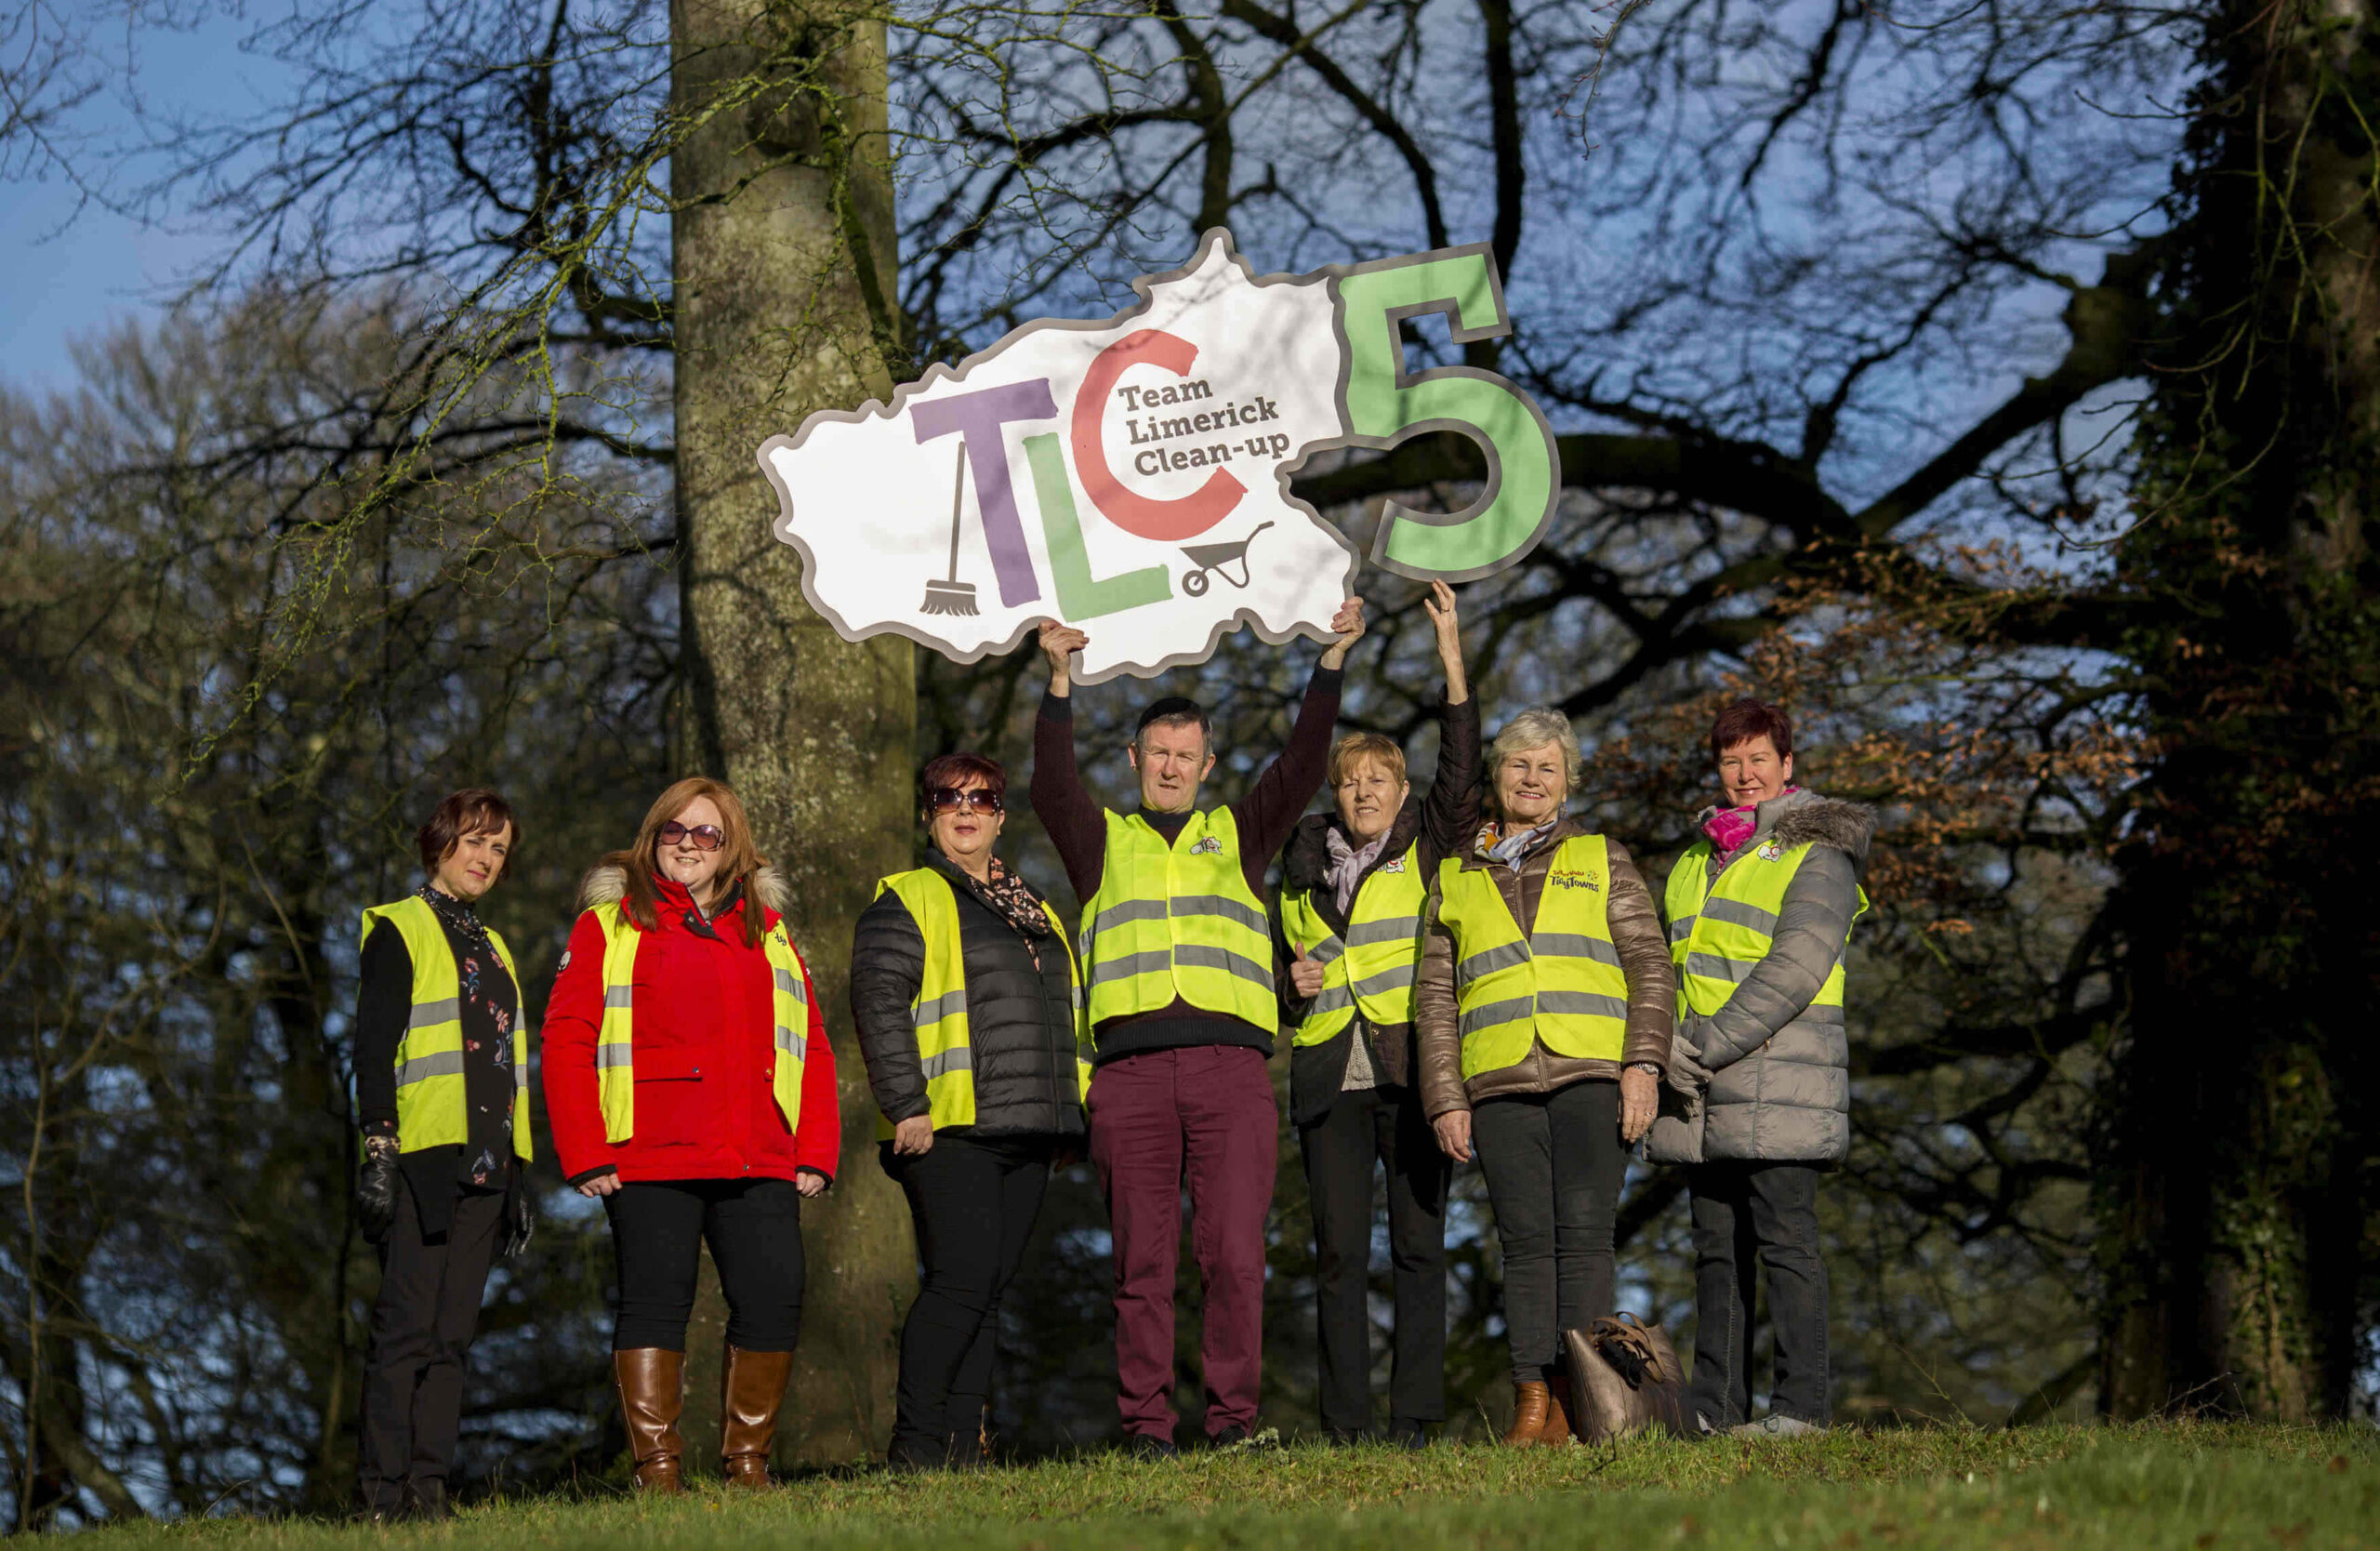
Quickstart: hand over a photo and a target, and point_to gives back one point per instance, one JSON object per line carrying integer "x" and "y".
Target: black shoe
{"x": 1405, "y": 1432}
{"x": 1239, "y": 1440}
{"x": 1148, "y": 1446}
{"x": 1341, "y": 1437}
{"x": 425, "y": 1502}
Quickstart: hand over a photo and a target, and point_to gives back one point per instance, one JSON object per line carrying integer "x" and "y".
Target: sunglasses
{"x": 975, "y": 800}
{"x": 707, "y": 837}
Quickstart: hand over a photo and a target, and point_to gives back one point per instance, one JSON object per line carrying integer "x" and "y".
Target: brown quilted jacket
{"x": 1644, "y": 955}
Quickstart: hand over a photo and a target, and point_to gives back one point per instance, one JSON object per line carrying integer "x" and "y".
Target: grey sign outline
{"x": 1215, "y": 238}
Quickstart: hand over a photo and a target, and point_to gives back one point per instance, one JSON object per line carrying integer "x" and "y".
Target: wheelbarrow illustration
{"x": 1219, "y": 559}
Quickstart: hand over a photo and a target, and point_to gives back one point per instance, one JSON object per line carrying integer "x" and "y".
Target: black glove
{"x": 523, "y": 1225}
{"x": 376, "y": 1187}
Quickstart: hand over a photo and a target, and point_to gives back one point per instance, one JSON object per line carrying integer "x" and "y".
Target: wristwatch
{"x": 1653, "y": 1067}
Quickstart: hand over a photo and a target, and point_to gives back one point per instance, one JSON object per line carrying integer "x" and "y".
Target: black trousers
{"x": 754, "y": 1230}
{"x": 973, "y": 1202}
{"x": 422, "y": 1324}
{"x": 1554, "y": 1164}
{"x": 1767, "y": 1213}
{"x": 1386, "y": 1125}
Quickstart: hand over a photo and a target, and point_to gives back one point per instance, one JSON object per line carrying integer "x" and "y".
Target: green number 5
{"x": 1385, "y": 405}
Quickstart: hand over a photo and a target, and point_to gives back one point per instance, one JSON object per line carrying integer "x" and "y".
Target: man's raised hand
{"x": 1059, "y": 644}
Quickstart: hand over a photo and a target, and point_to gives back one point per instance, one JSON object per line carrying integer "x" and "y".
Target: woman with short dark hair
{"x": 1760, "y": 916}
{"x": 441, "y": 1071}
{"x": 968, "y": 998}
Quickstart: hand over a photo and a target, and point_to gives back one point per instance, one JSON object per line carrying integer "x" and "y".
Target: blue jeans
{"x": 1768, "y": 1212}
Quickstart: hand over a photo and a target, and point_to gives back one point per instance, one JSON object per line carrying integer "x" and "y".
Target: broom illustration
{"x": 953, "y": 596}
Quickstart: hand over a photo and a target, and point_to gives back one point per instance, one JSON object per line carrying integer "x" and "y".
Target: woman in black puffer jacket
{"x": 966, "y": 993}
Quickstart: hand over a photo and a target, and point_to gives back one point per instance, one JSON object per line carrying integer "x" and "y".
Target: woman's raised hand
{"x": 1443, "y": 619}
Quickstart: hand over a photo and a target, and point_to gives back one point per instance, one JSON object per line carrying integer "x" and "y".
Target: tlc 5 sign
{"x": 1132, "y": 476}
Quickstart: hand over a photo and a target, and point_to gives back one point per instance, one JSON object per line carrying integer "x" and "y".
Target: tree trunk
{"x": 2239, "y": 1126}
{"x": 783, "y": 255}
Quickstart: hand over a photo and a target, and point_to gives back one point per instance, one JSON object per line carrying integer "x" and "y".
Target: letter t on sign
{"x": 978, "y": 418}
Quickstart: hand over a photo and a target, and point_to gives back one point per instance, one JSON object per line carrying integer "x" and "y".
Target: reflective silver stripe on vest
{"x": 939, "y": 1008}
{"x": 1130, "y": 964}
{"x": 1201, "y": 956}
{"x": 520, "y": 1074}
{"x": 1330, "y": 999}
{"x": 619, "y": 996}
{"x": 1326, "y": 951}
{"x": 1216, "y": 905}
{"x": 1711, "y": 967}
{"x": 1494, "y": 1012}
{"x": 430, "y": 1014}
{"x": 791, "y": 985}
{"x": 1392, "y": 929}
{"x": 1736, "y": 912}
{"x": 1588, "y": 1005}
{"x": 1571, "y": 945}
{"x": 446, "y": 1063}
{"x": 789, "y": 1043}
{"x": 1486, "y": 961}
{"x": 958, "y": 1060}
{"x": 1394, "y": 978}
{"x": 1131, "y": 909}
{"x": 609, "y": 1055}
{"x": 1683, "y": 928}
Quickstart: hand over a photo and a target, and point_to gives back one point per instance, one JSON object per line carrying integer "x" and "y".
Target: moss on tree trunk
{"x": 782, "y": 251}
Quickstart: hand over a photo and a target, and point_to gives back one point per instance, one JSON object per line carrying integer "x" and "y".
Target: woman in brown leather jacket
{"x": 1543, "y": 1012}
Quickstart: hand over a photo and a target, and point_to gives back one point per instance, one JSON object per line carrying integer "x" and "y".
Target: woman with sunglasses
{"x": 966, "y": 992}
{"x": 691, "y": 1088}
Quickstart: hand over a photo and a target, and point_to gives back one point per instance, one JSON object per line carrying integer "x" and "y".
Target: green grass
{"x": 2062, "y": 1487}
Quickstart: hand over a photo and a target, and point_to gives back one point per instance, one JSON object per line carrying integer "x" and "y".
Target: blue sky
{"x": 74, "y": 267}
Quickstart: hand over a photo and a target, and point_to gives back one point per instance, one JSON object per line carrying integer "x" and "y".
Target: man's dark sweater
{"x": 1077, "y": 826}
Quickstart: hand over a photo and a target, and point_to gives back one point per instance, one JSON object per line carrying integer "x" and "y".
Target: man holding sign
{"x": 1176, "y": 952}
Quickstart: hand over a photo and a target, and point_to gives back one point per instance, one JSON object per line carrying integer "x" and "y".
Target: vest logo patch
{"x": 1575, "y": 878}
{"x": 565, "y": 962}
{"x": 1769, "y": 850}
{"x": 1211, "y": 846}
{"x": 1396, "y": 866}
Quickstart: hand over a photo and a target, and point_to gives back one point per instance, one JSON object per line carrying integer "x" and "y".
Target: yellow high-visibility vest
{"x": 615, "y": 1037}
{"x": 945, "y": 1050}
{"x": 1372, "y": 967}
{"x": 1177, "y": 921}
{"x": 1720, "y": 929}
{"x": 1560, "y": 983}
{"x": 432, "y": 1110}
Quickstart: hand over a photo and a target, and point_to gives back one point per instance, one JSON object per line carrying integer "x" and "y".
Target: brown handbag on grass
{"x": 1624, "y": 1380}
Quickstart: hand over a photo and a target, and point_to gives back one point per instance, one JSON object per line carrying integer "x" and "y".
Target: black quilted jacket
{"x": 1020, "y": 1018}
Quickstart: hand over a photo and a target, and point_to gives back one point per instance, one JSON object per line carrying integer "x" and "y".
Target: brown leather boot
{"x": 752, "y": 1387}
{"x": 652, "y": 1391}
{"x": 1529, "y": 1402}
{"x": 1556, "y": 1431}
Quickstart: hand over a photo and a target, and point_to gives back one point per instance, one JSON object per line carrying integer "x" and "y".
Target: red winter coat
{"x": 705, "y": 1050}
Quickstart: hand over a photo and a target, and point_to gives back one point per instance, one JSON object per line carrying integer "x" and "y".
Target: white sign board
{"x": 1132, "y": 476}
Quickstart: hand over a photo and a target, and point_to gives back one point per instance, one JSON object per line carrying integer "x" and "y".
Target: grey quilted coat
{"x": 1767, "y": 1078}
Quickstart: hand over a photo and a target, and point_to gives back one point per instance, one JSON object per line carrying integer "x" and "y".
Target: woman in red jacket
{"x": 690, "y": 1085}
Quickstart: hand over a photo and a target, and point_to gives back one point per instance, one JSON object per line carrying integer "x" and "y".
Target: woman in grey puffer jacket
{"x": 1759, "y": 1098}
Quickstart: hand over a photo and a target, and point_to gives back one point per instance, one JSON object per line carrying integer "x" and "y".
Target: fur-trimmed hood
{"x": 606, "y": 885}
{"x": 1806, "y": 819}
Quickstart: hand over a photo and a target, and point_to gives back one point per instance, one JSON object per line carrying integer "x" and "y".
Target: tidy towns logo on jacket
{"x": 1132, "y": 476}
{"x": 1575, "y": 878}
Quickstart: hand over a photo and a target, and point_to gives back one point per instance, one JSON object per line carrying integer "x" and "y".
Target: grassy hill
{"x": 2064, "y": 1488}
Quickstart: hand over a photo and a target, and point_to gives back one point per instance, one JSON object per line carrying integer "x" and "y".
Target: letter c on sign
{"x": 1165, "y": 520}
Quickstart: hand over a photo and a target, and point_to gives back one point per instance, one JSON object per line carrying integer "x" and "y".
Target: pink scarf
{"x": 1729, "y": 828}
